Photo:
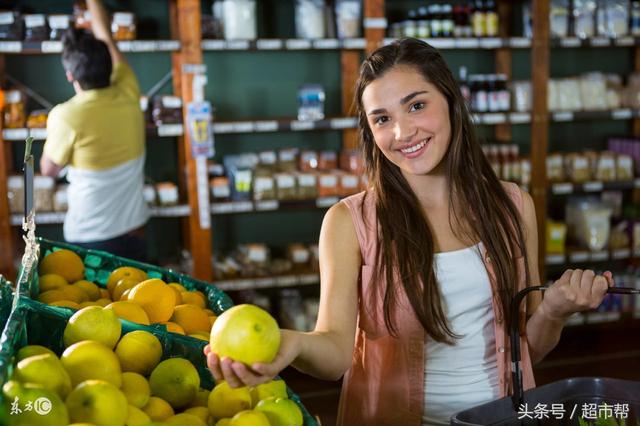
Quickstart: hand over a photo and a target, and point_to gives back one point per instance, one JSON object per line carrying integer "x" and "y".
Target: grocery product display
{"x": 285, "y": 151}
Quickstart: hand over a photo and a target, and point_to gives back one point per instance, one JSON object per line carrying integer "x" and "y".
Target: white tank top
{"x": 464, "y": 375}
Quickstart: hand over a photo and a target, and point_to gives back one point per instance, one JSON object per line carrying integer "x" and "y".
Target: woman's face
{"x": 409, "y": 120}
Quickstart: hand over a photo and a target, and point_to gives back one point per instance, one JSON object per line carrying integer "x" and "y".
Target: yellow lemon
{"x": 201, "y": 412}
{"x": 276, "y": 388}
{"x": 129, "y": 311}
{"x": 98, "y": 402}
{"x": 178, "y": 287}
{"x": 155, "y": 297}
{"x": 201, "y": 399}
{"x": 178, "y": 295}
{"x": 223, "y": 422}
{"x": 52, "y": 296}
{"x": 249, "y": 418}
{"x": 173, "y": 327}
{"x": 31, "y": 350}
{"x": 176, "y": 381}
{"x": 122, "y": 286}
{"x": 194, "y": 298}
{"x": 91, "y": 289}
{"x": 45, "y": 370}
{"x": 64, "y": 263}
{"x": 122, "y": 272}
{"x": 281, "y": 411}
{"x": 185, "y": 419}
{"x": 87, "y": 303}
{"x": 136, "y": 417}
{"x": 139, "y": 351}
{"x": 136, "y": 388}
{"x": 91, "y": 360}
{"x": 93, "y": 323}
{"x": 158, "y": 409}
{"x": 102, "y": 302}
{"x": 51, "y": 282}
{"x": 246, "y": 333}
{"x": 225, "y": 401}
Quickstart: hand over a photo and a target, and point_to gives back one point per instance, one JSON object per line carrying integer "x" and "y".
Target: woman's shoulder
{"x": 521, "y": 198}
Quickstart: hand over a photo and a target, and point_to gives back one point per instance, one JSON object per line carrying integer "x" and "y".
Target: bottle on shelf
{"x": 424, "y": 25}
{"x": 464, "y": 85}
{"x": 435, "y": 12}
{"x": 479, "y": 19}
{"x": 447, "y": 20}
{"x": 491, "y": 19}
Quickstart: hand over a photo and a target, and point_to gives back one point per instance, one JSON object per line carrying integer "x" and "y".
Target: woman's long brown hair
{"x": 480, "y": 208}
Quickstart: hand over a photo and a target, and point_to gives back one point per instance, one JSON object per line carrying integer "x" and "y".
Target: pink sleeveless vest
{"x": 385, "y": 384}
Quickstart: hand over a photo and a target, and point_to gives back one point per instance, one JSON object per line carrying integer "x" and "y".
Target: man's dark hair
{"x": 87, "y": 59}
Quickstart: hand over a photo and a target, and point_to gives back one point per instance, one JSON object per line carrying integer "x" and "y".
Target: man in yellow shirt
{"x": 99, "y": 133}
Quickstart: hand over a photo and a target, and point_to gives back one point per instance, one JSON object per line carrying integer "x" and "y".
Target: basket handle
{"x": 516, "y": 372}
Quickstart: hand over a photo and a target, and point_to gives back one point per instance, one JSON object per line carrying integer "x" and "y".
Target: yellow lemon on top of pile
{"x": 246, "y": 333}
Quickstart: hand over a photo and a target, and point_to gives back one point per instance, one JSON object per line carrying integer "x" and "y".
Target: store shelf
{"x": 488, "y": 43}
{"x": 268, "y": 282}
{"x": 565, "y": 188}
{"x": 557, "y": 117}
{"x": 28, "y": 48}
{"x": 589, "y": 257}
{"x": 49, "y": 218}
{"x": 167, "y": 130}
{"x": 575, "y": 42}
{"x": 232, "y": 207}
{"x": 285, "y": 44}
{"x": 283, "y": 125}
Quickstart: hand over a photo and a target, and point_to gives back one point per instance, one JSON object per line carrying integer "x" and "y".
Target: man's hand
{"x": 100, "y": 25}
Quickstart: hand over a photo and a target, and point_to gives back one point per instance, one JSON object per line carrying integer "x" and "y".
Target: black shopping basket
{"x": 571, "y": 401}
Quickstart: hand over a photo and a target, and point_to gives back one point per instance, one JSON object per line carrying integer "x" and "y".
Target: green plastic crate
{"x": 32, "y": 322}
{"x": 99, "y": 264}
{"x": 6, "y": 300}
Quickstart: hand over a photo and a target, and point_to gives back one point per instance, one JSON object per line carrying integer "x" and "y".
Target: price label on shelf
{"x": 555, "y": 259}
{"x": 624, "y": 41}
{"x": 494, "y": 118}
{"x": 265, "y": 205}
{"x": 326, "y": 43}
{"x": 490, "y": 43}
{"x": 51, "y": 47}
{"x": 519, "y": 117}
{"x": 168, "y": 45}
{"x": 242, "y": 206}
{"x": 222, "y": 208}
{"x": 298, "y": 44}
{"x": 266, "y": 126}
{"x": 324, "y": 202}
{"x": 519, "y": 42}
{"x": 570, "y": 42}
{"x": 375, "y": 23}
{"x": 562, "y": 188}
{"x": 144, "y": 46}
{"x": 563, "y": 116}
{"x": 599, "y": 256}
{"x": 302, "y": 125}
{"x": 38, "y": 134}
{"x": 621, "y": 114}
{"x": 10, "y": 46}
{"x": 343, "y": 123}
{"x": 213, "y": 44}
{"x": 467, "y": 43}
{"x": 269, "y": 44}
{"x": 442, "y": 43}
{"x": 309, "y": 279}
{"x": 15, "y": 134}
{"x": 354, "y": 43}
{"x": 242, "y": 127}
{"x": 600, "y": 42}
{"x": 237, "y": 45}
{"x": 592, "y": 186}
{"x": 579, "y": 256}
{"x": 223, "y": 127}
{"x": 621, "y": 254}
{"x": 170, "y": 130}
{"x": 287, "y": 280}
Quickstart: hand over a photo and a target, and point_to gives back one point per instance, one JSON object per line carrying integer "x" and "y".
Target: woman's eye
{"x": 381, "y": 120}
{"x": 417, "y": 106}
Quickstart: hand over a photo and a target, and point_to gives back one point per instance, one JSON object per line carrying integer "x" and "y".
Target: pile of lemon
{"x": 129, "y": 293}
{"x": 105, "y": 378}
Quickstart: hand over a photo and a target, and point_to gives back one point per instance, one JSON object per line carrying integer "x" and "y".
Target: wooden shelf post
{"x": 540, "y": 122}
{"x": 185, "y": 26}
{"x": 6, "y": 233}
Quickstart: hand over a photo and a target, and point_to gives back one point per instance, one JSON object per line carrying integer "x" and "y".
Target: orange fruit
{"x": 65, "y": 263}
{"x": 191, "y": 318}
{"x": 75, "y": 294}
{"x": 121, "y": 286}
{"x": 125, "y": 295}
{"x": 212, "y": 320}
{"x": 104, "y": 293}
{"x": 92, "y": 290}
{"x": 194, "y": 298}
{"x": 139, "y": 351}
{"x": 209, "y": 312}
{"x": 52, "y": 296}
{"x": 158, "y": 409}
{"x": 178, "y": 287}
{"x": 178, "y": 295}
{"x": 129, "y": 311}
{"x": 201, "y": 336}
{"x": 51, "y": 282}
{"x": 66, "y": 304}
{"x": 155, "y": 297}
{"x": 102, "y": 302}
{"x": 88, "y": 303}
{"x": 173, "y": 327}
{"x": 122, "y": 272}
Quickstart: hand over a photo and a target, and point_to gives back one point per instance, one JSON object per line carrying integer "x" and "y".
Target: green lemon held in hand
{"x": 246, "y": 333}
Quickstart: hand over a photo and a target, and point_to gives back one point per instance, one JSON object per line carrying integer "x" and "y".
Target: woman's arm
{"x": 325, "y": 352}
{"x": 575, "y": 291}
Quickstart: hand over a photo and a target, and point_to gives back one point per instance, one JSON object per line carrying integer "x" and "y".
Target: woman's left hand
{"x": 575, "y": 291}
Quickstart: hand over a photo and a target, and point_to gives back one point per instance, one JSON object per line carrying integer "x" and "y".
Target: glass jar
{"x": 240, "y": 21}
{"x": 35, "y": 28}
{"x": 310, "y": 22}
{"x": 14, "y": 110}
{"x": 348, "y": 13}
{"x": 11, "y": 26}
{"x": 58, "y": 24}
{"x": 123, "y": 26}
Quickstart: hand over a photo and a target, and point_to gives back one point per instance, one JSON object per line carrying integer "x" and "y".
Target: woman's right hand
{"x": 238, "y": 374}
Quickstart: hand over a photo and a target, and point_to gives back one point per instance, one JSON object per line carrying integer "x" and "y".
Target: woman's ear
{"x": 69, "y": 76}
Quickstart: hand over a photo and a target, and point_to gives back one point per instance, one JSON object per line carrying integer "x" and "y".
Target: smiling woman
{"x": 417, "y": 272}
